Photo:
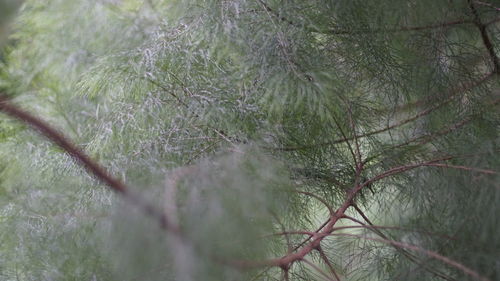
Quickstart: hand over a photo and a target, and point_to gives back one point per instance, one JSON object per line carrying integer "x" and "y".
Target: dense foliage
{"x": 282, "y": 140}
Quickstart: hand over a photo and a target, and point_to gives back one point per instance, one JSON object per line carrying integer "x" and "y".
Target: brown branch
{"x": 424, "y": 139}
{"x": 166, "y": 90}
{"x": 283, "y": 229}
{"x": 327, "y": 262}
{"x": 484, "y": 171}
{"x": 485, "y": 37}
{"x": 332, "y": 212}
{"x": 286, "y": 277}
{"x": 408, "y": 255}
{"x": 362, "y": 214}
{"x": 287, "y": 260}
{"x": 359, "y": 162}
{"x": 319, "y": 270}
{"x": 371, "y": 227}
{"x": 353, "y": 220}
{"x": 368, "y": 31}
{"x": 276, "y": 14}
{"x": 310, "y": 236}
{"x": 429, "y": 253}
{"x": 450, "y": 97}
{"x": 487, "y": 4}
{"x": 405, "y": 28}
{"x": 401, "y": 29}
{"x": 317, "y": 237}
{"x": 344, "y": 136}
{"x": 292, "y": 232}
{"x": 83, "y": 159}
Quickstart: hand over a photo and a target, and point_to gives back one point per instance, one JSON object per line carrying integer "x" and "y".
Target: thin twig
{"x": 319, "y": 270}
{"x": 407, "y": 254}
{"x": 274, "y": 13}
{"x": 484, "y": 171}
{"x": 327, "y": 262}
{"x": 487, "y": 4}
{"x": 368, "y": 31}
{"x": 371, "y": 227}
{"x": 400, "y": 29}
{"x": 283, "y": 229}
{"x": 310, "y": 236}
{"x": 432, "y": 254}
{"x": 485, "y": 37}
{"x": 450, "y": 97}
{"x": 332, "y": 212}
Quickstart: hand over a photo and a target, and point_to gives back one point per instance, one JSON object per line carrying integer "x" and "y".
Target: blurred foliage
{"x": 7, "y": 10}
{"x": 241, "y": 119}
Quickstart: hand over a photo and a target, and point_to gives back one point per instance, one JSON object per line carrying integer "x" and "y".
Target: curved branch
{"x": 466, "y": 168}
{"x": 339, "y": 214}
{"x": 332, "y": 212}
{"x": 429, "y": 253}
{"x": 83, "y": 159}
{"x": 485, "y": 37}
{"x": 319, "y": 270}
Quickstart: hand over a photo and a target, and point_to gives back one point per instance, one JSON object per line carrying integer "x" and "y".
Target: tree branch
{"x": 83, "y": 159}
{"x": 401, "y": 29}
{"x": 429, "y": 253}
{"x": 450, "y": 97}
{"x": 485, "y": 37}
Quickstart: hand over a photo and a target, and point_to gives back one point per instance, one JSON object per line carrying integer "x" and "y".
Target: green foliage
{"x": 7, "y": 9}
{"x": 243, "y": 119}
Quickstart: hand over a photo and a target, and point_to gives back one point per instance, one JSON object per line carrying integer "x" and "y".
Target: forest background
{"x": 249, "y": 140}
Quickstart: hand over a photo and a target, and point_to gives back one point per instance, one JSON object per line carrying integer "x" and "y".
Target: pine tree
{"x": 250, "y": 140}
